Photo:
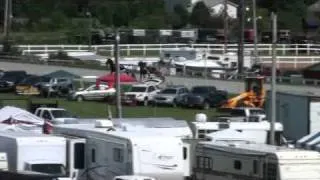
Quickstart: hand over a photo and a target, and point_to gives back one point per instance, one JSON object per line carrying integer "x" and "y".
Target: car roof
{"x": 175, "y": 87}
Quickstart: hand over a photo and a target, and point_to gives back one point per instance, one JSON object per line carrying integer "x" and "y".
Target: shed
{"x": 62, "y": 74}
{"x": 312, "y": 72}
{"x": 298, "y": 112}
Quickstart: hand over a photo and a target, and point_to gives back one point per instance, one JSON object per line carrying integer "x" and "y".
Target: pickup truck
{"x": 54, "y": 115}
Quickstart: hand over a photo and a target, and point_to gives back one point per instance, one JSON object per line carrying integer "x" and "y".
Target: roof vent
{"x": 103, "y": 124}
{"x": 201, "y": 117}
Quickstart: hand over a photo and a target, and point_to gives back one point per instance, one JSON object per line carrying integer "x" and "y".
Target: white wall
{"x": 218, "y": 9}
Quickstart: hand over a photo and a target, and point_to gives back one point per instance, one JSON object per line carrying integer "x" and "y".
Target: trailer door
{"x": 75, "y": 157}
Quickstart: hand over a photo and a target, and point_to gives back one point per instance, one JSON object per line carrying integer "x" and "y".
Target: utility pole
{"x": 254, "y": 10}
{"x": 117, "y": 74}
{"x": 89, "y": 30}
{"x": 7, "y": 18}
{"x": 274, "y": 76}
{"x": 225, "y": 14}
{"x": 241, "y": 15}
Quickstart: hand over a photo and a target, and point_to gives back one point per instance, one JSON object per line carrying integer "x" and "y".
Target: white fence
{"x": 155, "y": 49}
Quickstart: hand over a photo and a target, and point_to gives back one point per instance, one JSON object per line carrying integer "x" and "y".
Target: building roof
{"x": 212, "y": 3}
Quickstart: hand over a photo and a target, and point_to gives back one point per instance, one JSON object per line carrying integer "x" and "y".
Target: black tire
{"x": 80, "y": 98}
{"x": 145, "y": 102}
{"x": 205, "y": 105}
{"x": 174, "y": 103}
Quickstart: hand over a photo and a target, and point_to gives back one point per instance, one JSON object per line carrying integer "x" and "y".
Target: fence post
{"x": 128, "y": 50}
{"x": 308, "y": 49}
{"x": 284, "y": 49}
{"x": 270, "y": 49}
{"x": 144, "y": 50}
{"x": 297, "y": 51}
{"x": 45, "y": 48}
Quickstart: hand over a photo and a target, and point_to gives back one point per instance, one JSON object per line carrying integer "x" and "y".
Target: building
{"x": 216, "y": 6}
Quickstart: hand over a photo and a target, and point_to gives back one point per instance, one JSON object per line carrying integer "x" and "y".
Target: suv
{"x": 171, "y": 95}
{"x": 204, "y": 97}
{"x": 140, "y": 93}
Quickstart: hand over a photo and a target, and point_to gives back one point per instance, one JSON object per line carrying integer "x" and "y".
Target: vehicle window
{"x": 46, "y": 115}
{"x": 151, "y": 89}
{"x": 61, "y": 114}
{"x": 256, "y": 111}
{"x": 169, "y": 91}
{"x": 118, "y": 155}
{"x": 45, "y": 79}
{"x": 103, "y": 87}
{"x": 138, "y": 89}
{"x": 238, "y": 112}
{"x": 181, "y": 91}
{"x": 202, "y": 90}
{"x": 62, "y": 80}
{"x": 57, "y": 169}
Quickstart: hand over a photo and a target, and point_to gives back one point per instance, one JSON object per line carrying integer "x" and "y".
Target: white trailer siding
{"x": 314, "y": 117}
{"x": 24, "y": 147}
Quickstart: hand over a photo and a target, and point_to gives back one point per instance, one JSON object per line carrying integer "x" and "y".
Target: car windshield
{"x": 45, "y": 79}
{"x": 61, "y": 114}
{"x": 30, "y": 80}
{"x": 55, "y": 169}
{"x": 138, "y": 89}
{"x": 169, "y": 91}
{"x": 200, "y": 90}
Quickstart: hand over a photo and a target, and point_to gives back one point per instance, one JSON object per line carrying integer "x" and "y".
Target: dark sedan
{"x": 9, "y": 79}
{"x": 204, "y": 97}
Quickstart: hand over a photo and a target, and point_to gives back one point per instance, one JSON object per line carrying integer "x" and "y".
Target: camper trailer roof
{"x": 164, "y": 122}
{"x": 255, "y": 148}
{"x": 238, "y": 125}
{"x": 24, "y": 135}
{"x": 119, "y": 132}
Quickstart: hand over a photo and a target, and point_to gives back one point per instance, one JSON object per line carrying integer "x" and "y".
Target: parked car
{"x": 29, "y": 85}
{"x": 140, "y": 93}
{"x": 171, "y": 95}
{"x": 93, "y": 92}
{"x": 56, "y": 86}
{"x": 9, "y": 79}
{"x": 204, "y": 97}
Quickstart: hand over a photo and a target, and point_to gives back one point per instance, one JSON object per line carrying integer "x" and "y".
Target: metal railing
{"x": 155, "y": 49}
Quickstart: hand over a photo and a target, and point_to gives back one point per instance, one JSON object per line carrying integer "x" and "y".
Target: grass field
{"x": 99, "y": 110}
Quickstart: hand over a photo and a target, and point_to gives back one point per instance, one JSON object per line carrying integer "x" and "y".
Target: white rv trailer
{"x": 162, "y": 126}
{"x": 3, "y": 162}
{"x": 257, "y": 130}
{"x": 242, "y": 161}
{"x": 110, "y": 152}
{"x": 34, "y": 152}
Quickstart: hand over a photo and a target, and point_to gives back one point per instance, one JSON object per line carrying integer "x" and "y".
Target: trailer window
{"x": 93, "y": 155}
{"x": 78, "y": 155}
{"x": 185, "y": 153}
{"x": 255, "y": 167}
{"x": 118, "y": 155}
{"x": 57, "y": 169}
{"x": 237, "y": 165}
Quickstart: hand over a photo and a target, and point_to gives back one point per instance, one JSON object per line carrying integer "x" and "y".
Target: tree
{"x": 121, "y": 15}
{"x": 200, "y": 15}
{"x": 179, "y": 18}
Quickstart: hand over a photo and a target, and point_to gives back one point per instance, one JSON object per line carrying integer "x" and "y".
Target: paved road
{"x": 231, "y": 86}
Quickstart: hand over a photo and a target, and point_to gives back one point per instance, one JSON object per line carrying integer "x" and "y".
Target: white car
{"x": 93, "y": 92}
{"x": 140, "y": 93}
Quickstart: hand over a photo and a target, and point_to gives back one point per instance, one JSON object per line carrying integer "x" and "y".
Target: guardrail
{"x": 155, "y": 49}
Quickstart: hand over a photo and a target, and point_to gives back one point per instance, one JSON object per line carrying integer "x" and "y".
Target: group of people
{"x": 144, "y": 70}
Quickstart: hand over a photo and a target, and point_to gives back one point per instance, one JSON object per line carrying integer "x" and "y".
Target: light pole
{"x": 225, "y": 14}
{"x": 255, "y": 40}
{"x": 89, "y": 30}
{"x": 118, "y": 90}
{"x": 241, "y": 15}
{"x": 274, "y": 76}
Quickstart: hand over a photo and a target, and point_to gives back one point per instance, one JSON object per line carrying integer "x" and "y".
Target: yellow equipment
{"x": 254, "y": 95}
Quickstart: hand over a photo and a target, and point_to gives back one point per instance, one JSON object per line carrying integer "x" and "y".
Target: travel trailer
{"x": 228, "y": 161}
{"x": 3, "y": 162}
{"x": 34, "y": 152}
{"x": 110, "y": 152}
{"x": 257, "y": 130}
